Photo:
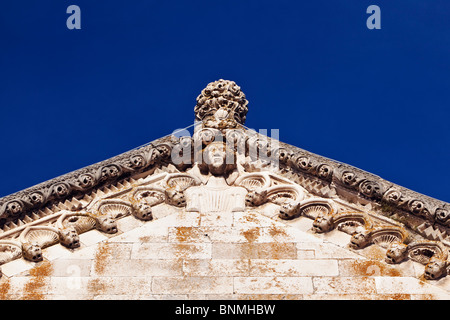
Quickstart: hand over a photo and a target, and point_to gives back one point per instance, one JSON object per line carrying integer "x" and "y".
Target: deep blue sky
{"x": 375, "y": 99}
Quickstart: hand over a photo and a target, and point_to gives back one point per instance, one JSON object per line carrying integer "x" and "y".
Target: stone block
{"x": 408, "y": 285}
{"x": 290, "y": 267}
{"x": 92, "y": 237}
{"x": 347, "y": 285}
{"x": 139, "y": 268}
{"x": 328, "y": 250}
{"x": 273, "y": 285}
{"x": 171, "y": 251}
{"x": 216, "y": 267}
{"x": 192, "y": 285}
{"x": 254, "y": 251}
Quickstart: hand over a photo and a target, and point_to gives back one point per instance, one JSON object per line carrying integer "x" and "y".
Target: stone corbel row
{"x": 101, "y": 215}
{"x": 432, "y": 254}
{"x": 324, "y": 212}
{"x": 33, "y": 239}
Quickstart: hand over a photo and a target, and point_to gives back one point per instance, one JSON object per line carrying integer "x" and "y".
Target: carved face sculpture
{"x": 143, "y": 211}
{"x": 218, "y": 159}
{"x": 289, "y": 210}
{"x": 370, "y": 189}
{"x": 107, "y": 224}
{"x": 325, "y": 171}
{"x": 392, "y": 196}
{"x": 417, "y": 207}
{"x": 360, "y": 240}
{"x": 32, "y": 252}
{"x": 69, "y": 237}
{"x": 175, "y": 198}
{"x": 86, "y": 180}
{"x": 349, "y": 178}
{"x": 435, "y": 269}
{"x": 322, "y": 224}
{"x": 36, "y": 198}
{"x": 215, "y": 157}
{"x": 442, "y": 215}
{"x": 396, "y": 253}
{"x": 13, "y": 208}
{"x": 255, "y": 198}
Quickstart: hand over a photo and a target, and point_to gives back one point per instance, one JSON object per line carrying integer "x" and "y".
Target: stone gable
{"x": 225, "y": 214}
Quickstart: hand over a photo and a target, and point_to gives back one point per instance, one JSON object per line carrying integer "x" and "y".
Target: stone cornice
{"x": 351, "y": 184}
{"x": 221, "y": 109}
{"x": 77, "y": 183}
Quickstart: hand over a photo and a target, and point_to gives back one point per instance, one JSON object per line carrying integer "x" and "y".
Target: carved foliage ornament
{"x": 221, "y": 105}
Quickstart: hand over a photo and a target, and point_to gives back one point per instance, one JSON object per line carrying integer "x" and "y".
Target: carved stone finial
{"x": 221, "y": 105}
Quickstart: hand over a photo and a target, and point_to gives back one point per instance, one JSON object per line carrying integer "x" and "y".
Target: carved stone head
{"x": 69, "y": 237}
{"x": 322, "y": 224}
{"x": 106, "y": 224}
{"x": 219, "y": 159}
{"x": 175, "y": 198}
{"x": 392, "y": 196}
{"x": 13, "y": 208}
{"x": 396, "y": 252}
{"x": 370, "y": 189}
{"x": 143, "y": 211}
{"x": 255, "y": 198}
{"x": 360, "y": 239}
{"x": 289, "y": 210}
{"x": 349, "y": 178}
{"x": 442, "y": 215}
{"x": 435, "y": 269}
{"x": 417, "y": 207}
{"x": 325, "y": 171}
{"x": 32, "y": 252}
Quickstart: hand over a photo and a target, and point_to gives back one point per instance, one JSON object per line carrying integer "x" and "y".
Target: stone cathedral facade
{"x": 225, "y": 214}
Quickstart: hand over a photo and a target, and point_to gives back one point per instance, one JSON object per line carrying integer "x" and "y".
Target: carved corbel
{"x": 9, "y": 250}
{"x": 432, "y": 254}
{"x": 382, "y": 236}
{"x": 36, "y": 238}
{"x": 348, "y": 222}
{"x": 255, "y": 198}
{"x": 311, "y": 208}
{"x": 80, "y": 221}
{"x": 143, "y": 199}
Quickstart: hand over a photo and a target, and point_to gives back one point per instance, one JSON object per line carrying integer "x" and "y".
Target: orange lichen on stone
{"x": 101, "y": 257}
{"x": 372, "y": 268}
{"x": 251, "y": 217}
{"x": 276, "y": 231}
{"x": 35, "y": 288}
{"x": 374, "y": 252}
{"x": 188, "y": 234}
{"x": 145, "y": 239}
{"x": 251, "y": 235}
{"x": 184, "y": 251}
{"x": 96, "y": 286}
{"x": 267, "y": 250}
{"x": 4, "y": 288}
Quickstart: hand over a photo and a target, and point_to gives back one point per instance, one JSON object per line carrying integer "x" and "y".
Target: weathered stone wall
{"x": 240, "y": 255}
